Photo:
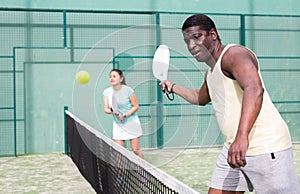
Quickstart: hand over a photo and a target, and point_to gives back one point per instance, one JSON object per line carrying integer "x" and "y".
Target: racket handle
{"x": 165, "y": 91}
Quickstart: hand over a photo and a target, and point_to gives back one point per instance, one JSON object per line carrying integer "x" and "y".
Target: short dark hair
{"x": 205, "y": 23}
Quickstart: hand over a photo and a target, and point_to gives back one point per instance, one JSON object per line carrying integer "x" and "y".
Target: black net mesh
{"x": 110, "y": 168}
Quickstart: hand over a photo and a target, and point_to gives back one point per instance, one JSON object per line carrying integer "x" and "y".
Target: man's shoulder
{"x": 236, "y": 51}
{"x": 236, "y": 48}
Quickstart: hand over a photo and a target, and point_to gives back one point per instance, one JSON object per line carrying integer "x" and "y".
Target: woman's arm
{"x": 106, "y": 107}
{"x": 135, "y": 105}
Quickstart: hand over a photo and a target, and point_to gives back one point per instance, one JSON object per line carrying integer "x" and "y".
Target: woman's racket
{"x": 114, "y": 105}
{"x": 160, "y": 66}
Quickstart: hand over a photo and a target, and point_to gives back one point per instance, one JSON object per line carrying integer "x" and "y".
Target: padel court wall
{"x": 41, "y": 51}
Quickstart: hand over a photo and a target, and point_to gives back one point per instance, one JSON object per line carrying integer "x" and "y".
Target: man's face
{"x": 198, "y": 42}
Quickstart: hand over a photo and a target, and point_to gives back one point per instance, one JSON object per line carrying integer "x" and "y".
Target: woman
{"x": 126, "y": 124}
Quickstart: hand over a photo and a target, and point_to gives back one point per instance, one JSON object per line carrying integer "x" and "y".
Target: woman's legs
{"x": 118, "y": 159}
{"x": 136, "y": 148}
{"x": 120, "y": 142}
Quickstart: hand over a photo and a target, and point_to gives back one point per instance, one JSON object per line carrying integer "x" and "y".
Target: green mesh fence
{"x": 41, "y": 51}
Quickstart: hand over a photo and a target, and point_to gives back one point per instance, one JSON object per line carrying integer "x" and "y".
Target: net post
{"x": 65, "y": 130}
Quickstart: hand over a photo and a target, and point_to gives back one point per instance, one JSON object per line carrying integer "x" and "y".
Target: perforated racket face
{"x": 161, "y": 60}
{"x": 114, "y": 103}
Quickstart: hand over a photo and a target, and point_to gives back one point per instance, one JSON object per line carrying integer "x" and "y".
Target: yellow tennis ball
{"x": 83, "y": 77}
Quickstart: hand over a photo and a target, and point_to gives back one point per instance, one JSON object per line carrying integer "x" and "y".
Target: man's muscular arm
{"x": 240, "y": 64}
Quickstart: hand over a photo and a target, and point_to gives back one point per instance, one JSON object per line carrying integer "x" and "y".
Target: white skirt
{"x": 129, "y": 130}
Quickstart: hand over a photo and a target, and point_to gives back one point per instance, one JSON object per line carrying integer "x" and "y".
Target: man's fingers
{"x": 236, "y": 161}
{"x": 241, "y": 162}
{"x": 163, "y": 86}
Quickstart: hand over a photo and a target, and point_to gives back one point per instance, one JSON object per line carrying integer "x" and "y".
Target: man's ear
{"x": 214, "y": 34}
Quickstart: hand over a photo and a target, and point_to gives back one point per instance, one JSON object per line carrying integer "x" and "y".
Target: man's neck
{"x": 215, "y": 55}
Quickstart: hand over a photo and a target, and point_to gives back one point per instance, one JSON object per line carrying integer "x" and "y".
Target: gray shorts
{"x": 272, "y": 173}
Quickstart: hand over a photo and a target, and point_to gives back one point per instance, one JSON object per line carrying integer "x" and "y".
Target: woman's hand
{"x": 120, "y": 117}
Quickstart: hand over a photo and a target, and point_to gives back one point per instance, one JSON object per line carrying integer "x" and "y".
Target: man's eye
{"x": 197, "y": 36}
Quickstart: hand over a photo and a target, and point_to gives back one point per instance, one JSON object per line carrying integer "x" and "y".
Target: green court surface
{"x": 56, "y": 173}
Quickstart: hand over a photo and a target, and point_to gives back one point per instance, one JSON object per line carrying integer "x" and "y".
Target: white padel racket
{"x": 160, "y": 65}
{"x": 114, "y": 105}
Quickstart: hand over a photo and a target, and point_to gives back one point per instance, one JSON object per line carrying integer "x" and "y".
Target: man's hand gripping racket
{"x": 160, "y": 66}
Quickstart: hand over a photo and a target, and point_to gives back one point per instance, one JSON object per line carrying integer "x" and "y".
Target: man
{"x": 257, "y": 152}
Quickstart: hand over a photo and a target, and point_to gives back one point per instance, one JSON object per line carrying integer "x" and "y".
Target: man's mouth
{"x": 196, "y": 54}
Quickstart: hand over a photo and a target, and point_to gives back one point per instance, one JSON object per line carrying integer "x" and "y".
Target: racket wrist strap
{"x": 171, "y": 90}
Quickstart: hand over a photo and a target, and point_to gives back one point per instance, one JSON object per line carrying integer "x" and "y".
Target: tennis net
{"x": 110, "y": 168}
